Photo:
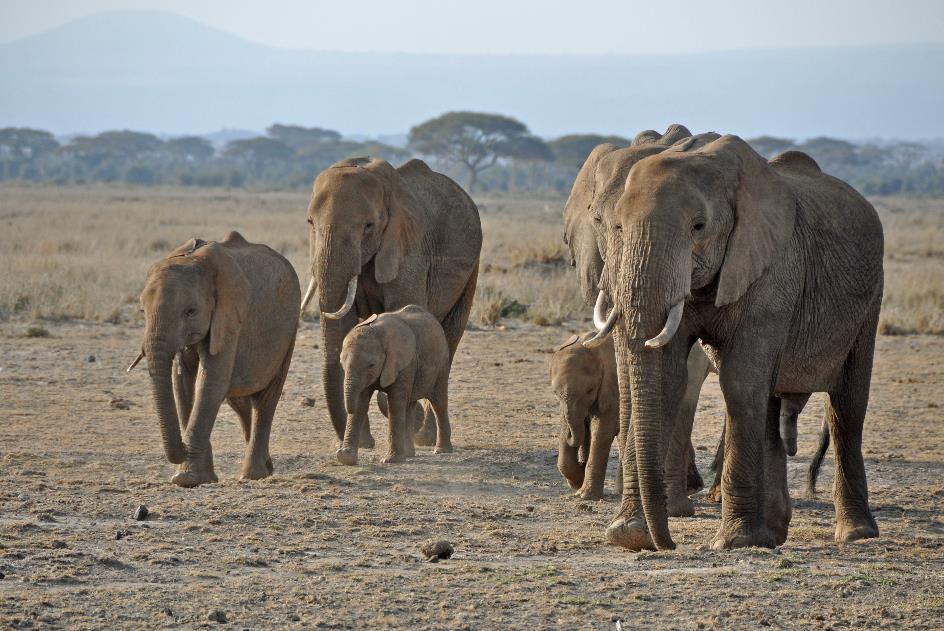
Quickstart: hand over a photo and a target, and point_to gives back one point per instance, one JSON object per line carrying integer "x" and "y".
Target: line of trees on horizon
{"x": 488, "y": 152}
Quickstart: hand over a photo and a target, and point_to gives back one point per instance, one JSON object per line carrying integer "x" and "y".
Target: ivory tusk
{"x": 671, "y": 326}
{"x": 135, "y": 362}
{"x": 604, "y": 331}
{"x": 309, "y": 294}
{"x": 348, "y": 301}
{"x": 598, "y": 320}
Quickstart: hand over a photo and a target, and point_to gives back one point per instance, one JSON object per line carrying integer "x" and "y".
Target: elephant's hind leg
{"x": 440, "y": 404}
{"x": 845, "y": 413}
{"x": 243, "y": 408}
{"x": 257, "y": 463}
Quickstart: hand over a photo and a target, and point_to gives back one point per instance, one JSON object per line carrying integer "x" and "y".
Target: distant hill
{"x": 165, "y": 73}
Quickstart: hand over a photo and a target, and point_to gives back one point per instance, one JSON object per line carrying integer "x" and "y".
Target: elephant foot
{"x": 589, "y": 494}
{"x": 366, "y": 441}
{"x": 713, "y": 495}
{"x": 425, "y": 437}
{"x": 848, "y": 530}
{"x": 632, "y": 534}
{"x": 346, "y": 456}
{"x": 392, "y": 458}
{"x": 252, "y": 471}
{"x": 445, "y": 448}
{"x": 680, "y": 507}
{"x": 746, "y": 537}
{"x": 190, "y": 478}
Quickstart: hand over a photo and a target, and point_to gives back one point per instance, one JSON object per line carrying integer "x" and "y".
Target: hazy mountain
{"x": 164, "y": 73}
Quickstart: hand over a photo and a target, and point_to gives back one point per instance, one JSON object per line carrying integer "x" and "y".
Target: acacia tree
{"x": 473, "y": 139}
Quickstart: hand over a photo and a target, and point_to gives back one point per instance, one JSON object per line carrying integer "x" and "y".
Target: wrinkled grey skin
{"x": 221, "y": 320}
{"x": 764, "y": 263}
{"x": 405, "y": 355}
{"x": 410, "y": 236}
{"x": 596, "y": 189}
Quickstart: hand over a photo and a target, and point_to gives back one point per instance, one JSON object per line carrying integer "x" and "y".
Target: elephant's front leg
{"x": 755, "y": 507}
{"x": 399, "y": 407}
{"x": 210, "y": 390}
{"x": 601, "y": 439}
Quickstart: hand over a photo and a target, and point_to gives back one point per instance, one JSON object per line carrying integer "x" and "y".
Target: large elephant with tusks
{"x": 380, "y": 239}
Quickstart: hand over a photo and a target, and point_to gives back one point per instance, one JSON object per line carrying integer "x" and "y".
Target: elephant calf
{"x": 584, "y": 379}
{"x": 404, "y": 354}
{"x": 221, "y": 321}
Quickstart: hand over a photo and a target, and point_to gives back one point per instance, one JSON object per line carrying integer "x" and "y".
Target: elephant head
{"x": 577, "y": 377}
{"x": 709, "y": 221}
{"x": 359, "y": 215}
{"x": 597, "y": 186}
{"x": 197, "y": 293}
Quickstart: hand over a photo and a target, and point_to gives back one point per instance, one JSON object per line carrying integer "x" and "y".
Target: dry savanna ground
{"x": 320, "y": 545}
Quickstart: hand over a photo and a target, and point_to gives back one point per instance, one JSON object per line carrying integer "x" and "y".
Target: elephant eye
{"x": 192, "y": 311}
{"x": 369, "y": 225}
{"x": 597, "y": 219}
{"x": 699, "y": 226}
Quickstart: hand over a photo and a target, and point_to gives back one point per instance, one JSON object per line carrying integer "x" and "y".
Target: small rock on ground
{"x": 141, "y": 513}
{"x": 436, "y": 549}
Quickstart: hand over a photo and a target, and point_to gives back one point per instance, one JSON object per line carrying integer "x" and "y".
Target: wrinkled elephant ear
{"x": 400, "y": 349}
{"x": 232, "y": 298}
{"x": 764, "y": 217}
{"x": 400, "y": 233}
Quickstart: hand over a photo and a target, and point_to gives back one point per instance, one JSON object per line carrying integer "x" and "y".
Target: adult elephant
{"x": 777, "y": 267}
{"x": 383, "y": 238}
{"x": 598, "y": 186}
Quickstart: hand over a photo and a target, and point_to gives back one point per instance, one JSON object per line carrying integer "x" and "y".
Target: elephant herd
{"x": 697, "y": 253}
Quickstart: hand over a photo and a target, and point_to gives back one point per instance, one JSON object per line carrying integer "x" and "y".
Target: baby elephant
{"x": 221, "y": 320}
{"x": 405, "y": 355}
{"x": 584, "y": 380}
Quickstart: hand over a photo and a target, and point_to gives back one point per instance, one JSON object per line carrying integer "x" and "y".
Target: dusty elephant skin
{"x": 383, "y": 238}
{"x": 221, "y": 320}
{"x": 403, "y": 354}
{"x": 778, "y": 269}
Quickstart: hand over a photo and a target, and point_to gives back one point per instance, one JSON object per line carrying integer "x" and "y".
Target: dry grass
{"x": 83, "y": 252}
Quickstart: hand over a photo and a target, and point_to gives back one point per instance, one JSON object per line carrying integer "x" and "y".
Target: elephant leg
{"x": 813, "y": 472}
{"x": 713, "y": 494}
{"x": 597, "y": 458}
{"x": 243, "y": 408}
{"x": 618, "y": 479}
{"x": 680, "y": 455}
{"x": 257, "y": 463}
{"x": 397, "y": 423}
{"x": 440, "y": 405}
{"x": 453, "y": 326}
{"x": 426, "y": 432}
{"x": 210, "y": 390}
{"x": 845, "y": 413}
{"x": 755, "y": 507}
{"x": 695, "y": 481}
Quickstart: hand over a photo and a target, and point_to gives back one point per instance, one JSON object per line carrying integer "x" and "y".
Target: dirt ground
{"x": 320, "y": 545}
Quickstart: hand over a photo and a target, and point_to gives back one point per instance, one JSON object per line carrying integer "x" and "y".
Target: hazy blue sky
{"x": 526, "y": 26}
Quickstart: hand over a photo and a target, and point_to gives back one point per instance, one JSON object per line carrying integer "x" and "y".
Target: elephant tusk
{"x": 604, "y": 331}
{"x": 135, "y": 362}
{"x": 348, "y": 301}
{"x": 598, "y": 320}
{"x": 671, "y": 326}
{"x": 309, "y": 293}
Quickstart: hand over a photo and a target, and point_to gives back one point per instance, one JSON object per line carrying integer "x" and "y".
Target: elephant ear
{"x": 232, "y": 298}
{"x": 764, "y": 217}
{"x": 399, "y": 349}
{"x": 400, "y": 233}
{"x": 570, "y": 340}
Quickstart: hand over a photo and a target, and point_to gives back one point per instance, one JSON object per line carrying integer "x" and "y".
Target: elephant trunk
{"x": 568, "y": 461}
{"x": 331, "y": 272}
{"x": 160, "y": 365}
{"x": 336, "y": 267}
{"x": 575, "y": 423}
{"x": 644, "y": 369}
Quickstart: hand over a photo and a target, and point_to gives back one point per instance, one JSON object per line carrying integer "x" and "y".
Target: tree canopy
{"x": 474, "y": 139}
